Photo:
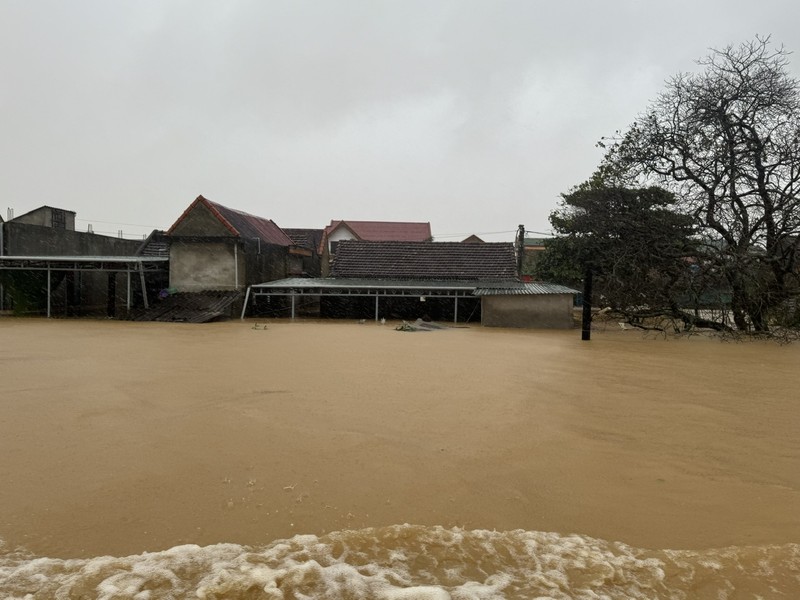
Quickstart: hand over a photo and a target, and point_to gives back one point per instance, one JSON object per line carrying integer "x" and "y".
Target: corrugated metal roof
{"x": 307, "y": 283}
{"x": 189, "y": 307}
{"x": 109, "y": 259}
{"x": 525, "y": 289}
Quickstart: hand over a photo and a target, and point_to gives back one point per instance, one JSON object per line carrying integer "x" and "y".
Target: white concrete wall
{"x": 342, "y": 233}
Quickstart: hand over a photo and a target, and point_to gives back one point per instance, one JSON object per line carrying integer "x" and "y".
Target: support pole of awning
{"x": 144, "y": 287}
{"x": 246, "y": 299}
{"x": 376, "y": 306}
{"x": 293, "y": 297}
{"x": 455, "y": 310}
{"x": 48, "y": 290}
{"x": 128, "y": 296}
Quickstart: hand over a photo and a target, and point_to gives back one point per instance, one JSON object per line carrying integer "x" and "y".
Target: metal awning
{"x": 109, "y": 264}
{"x": 119, "y": 264}
{"x": 527, "y": 289}
{"x": 375, "y": 288}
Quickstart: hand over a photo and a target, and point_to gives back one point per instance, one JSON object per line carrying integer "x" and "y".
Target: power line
{"x": 444, "y": 235}
{"x": 116, "y": 223}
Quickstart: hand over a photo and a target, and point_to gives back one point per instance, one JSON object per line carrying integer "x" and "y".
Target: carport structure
{"x": 437, "y": 271}
{"x": 130, "y": 265}
{"x": 299, "y": 288}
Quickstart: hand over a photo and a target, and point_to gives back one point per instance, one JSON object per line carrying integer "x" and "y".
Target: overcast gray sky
{"x": 473, "y": 115}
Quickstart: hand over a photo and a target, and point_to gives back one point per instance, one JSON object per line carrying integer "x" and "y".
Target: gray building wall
{"x": 22, "y": 239}
{"x": 196, "y": 266}
{"x": 44, "y": 217}
{"x": 205, "y": 255}
{"x": 270, "y": 262}
{"x": 534, "y": 311}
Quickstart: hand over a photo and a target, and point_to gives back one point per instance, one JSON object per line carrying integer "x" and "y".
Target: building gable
{"x": 207, "y": 218}
{"x": 200, "y": 220}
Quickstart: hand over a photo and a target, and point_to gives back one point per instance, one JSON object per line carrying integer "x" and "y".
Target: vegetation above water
{"x": 693, "y": 218}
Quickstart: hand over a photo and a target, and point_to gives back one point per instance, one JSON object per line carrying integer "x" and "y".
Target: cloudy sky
{"x": 473, "y": 115}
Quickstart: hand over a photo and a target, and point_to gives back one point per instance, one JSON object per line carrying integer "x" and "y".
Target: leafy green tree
{"x": 726, "y": 142}
{"x": 640, "y": 252}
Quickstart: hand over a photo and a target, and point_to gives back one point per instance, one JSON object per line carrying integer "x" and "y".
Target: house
{"x": 368, "y": 231}
{"x": 48, "y": 216}
{"x": 310, "y": 239}
{"x": 48, "y": 267}
{"x": 473, "y": 239}
{"x": 531, "y": 305}
{"x": 214, "y": 247}
{"x": 450, "y": 281}
{"x": 215, "y": 252}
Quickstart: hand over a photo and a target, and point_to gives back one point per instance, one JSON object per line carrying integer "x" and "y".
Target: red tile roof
{"x": 240, "y": 223}
{"x": 383, "y": 231}
{"x": 425, "y": 260}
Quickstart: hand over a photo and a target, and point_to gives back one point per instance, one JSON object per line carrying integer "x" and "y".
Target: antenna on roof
{"x": 10, "y": 214}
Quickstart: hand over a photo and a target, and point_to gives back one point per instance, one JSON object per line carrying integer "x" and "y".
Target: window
{"x": 58, "y": 218}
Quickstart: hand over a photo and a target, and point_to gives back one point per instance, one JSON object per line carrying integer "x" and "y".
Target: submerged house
{"x": 48, "y": 267}
{"x": 215, "y": 252}
{"x": 214, "y": 247}
{"x": 447, "y": 281}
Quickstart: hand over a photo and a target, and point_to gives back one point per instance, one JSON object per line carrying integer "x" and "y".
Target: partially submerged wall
{"x": 533, "y": 311}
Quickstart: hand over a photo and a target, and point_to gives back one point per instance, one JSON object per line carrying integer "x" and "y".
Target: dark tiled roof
{"x": 156, "y": 244}
{"x": 240, "y": 223}
{"x": 425, "y": 260}
{"x": 305, "y": 238}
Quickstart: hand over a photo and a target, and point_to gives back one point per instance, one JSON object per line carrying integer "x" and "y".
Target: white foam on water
{"x": 407, "y": 561}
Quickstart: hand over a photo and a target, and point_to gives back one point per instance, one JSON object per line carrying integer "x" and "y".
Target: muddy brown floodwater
{"x": 119, "y": 437}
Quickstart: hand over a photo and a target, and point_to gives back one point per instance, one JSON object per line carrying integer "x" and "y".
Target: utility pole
{"x": 586, "y": 322}
{"x": 520, "y": 247}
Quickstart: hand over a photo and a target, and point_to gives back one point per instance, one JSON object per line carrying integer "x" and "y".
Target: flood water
{"x": 346, "y": 460}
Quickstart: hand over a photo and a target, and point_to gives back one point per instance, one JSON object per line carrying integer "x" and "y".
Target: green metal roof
{"x": 478, "y": 288}
{"x": 333, "y": 283}
{"x": 527, "y": 289}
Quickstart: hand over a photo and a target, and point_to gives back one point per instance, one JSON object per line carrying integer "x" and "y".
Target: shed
{"x": 531, "y": 305}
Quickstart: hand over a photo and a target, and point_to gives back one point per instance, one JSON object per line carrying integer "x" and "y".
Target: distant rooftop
{"x": 384, "y": 231}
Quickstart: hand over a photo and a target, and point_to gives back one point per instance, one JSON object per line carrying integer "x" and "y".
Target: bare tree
{"x": 726, "y": 142}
